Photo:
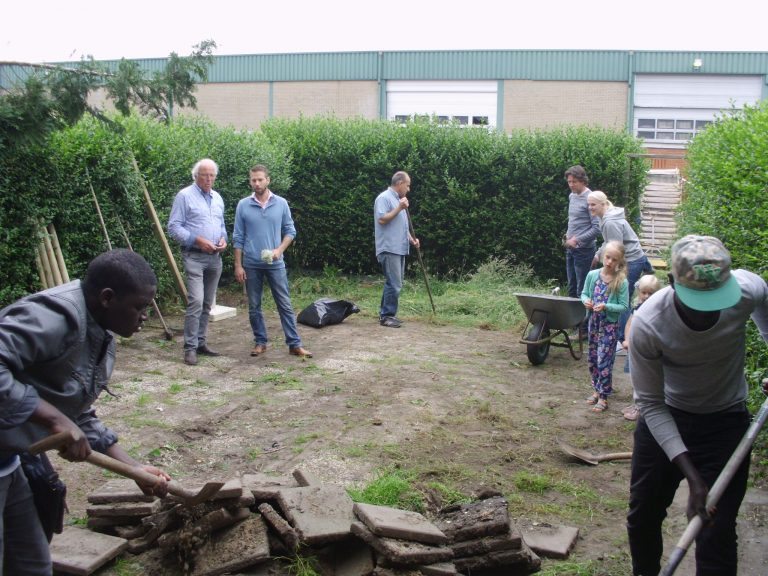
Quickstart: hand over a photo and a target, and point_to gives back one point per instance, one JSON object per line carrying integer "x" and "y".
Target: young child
{"x": 605, "y": 296}
{"x": 644, "y": 288}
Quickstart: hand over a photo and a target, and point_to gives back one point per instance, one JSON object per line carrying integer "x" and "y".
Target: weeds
{"x": 394, "y": 488}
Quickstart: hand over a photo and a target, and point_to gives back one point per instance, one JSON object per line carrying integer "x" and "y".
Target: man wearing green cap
{"x": 687, "y": 356}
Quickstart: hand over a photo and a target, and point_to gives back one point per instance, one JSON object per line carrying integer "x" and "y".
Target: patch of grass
{"x": 143, "y": 399}
{"x": 175, "y": 388}
{"x": 528, "y": 482}
{"x": 201, "y": 383}
{"x": 449, "y": 495}
{"x": 304, "y": 438}
{"x": 282, "y": 381}
{"x": 141, "y": 420}
{"x": 300, "y": 565}
{"x": 394, "y": 488}
{"x": 127, "y": 567}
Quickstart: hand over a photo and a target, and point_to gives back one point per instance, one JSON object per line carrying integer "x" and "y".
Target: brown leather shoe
{"x": 259, "y": 349}
{"x": 299, "y": 351}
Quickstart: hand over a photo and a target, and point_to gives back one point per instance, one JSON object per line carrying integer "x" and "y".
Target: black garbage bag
{"x": 326, "y": 311}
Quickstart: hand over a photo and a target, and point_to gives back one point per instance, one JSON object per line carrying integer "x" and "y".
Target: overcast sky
{"x": 56, "y": 30}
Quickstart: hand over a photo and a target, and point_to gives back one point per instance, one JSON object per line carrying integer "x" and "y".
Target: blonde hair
{"x": 621, "y": 268}
{"x": 599, "y": 196}
{"x": 648, "y": 283}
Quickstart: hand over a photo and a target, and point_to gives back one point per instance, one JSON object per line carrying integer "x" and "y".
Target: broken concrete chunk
{"x": 475, "y": 520}
{"x": 319, "y": 514}
{"x": 509, "y": 541}
{"x": 396, "y": 523}
{"x": 550, "y": 541}
{"x": 304, "y": 478}
{"x": 401, "y": 552}
{"x": 118, "y": 490}
{"x": 523, "y": 560}
{"x": 285, "y": 531}
{"x": 354, "y": 558}
{"x": 231, "y": 489}
{"x": 209, "y": 523}
{"x": 82, "y": 552}
{"x": 233, "y": 549}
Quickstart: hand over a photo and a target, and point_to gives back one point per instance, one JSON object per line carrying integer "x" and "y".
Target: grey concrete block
{"x": 319, "y": 514}
{"x": 475, "y": 520}
{"x": 82, "y": 552}
{"x": 550, "y": 541}
{"x": 118, "y": 490}
{"x": 265, "y": 487}
{"x": 509, "y": 541}
{"x": 439, "y": 569}
{"x": 123, "y": 509}
{"x": 280, "y": 525}
{"x": 396, "y": 523}
{"x": 233, "y": 548}
{"x": 402, "y": 552}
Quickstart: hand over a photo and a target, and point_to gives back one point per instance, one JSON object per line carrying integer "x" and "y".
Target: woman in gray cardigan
{"x": 614, "y": 226}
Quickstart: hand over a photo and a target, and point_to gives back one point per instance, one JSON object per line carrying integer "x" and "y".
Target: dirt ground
{"x": 463, "y": 405}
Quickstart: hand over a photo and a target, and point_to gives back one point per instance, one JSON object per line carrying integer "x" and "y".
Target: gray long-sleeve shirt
{"x": 701, "y": 372}
{"x": 580, "y": 222}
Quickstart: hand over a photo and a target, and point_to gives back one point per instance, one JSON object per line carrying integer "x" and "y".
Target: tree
{"x": 52, "y": 97}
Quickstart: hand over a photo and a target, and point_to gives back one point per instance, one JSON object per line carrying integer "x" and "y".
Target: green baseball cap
{"x": 701, "y": 267}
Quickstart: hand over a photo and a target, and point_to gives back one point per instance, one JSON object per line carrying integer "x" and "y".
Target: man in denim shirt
{"x": 390, "y": 222}
{"x": 57, "y": 352}
{"x": 197, "y": 224}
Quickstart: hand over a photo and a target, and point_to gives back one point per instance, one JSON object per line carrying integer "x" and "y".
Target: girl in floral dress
{"x": 605, "y": 296}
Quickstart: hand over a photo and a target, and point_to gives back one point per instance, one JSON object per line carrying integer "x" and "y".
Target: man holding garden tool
{"x": 687, "y": 354}
{"x": 197, "y": 224}
{"x": 392, "y": 234}
{"x": 57, "y": 353}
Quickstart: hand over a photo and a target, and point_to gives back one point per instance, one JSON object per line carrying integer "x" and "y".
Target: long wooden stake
{"x": 40, "y": 270}
{"x": 58, "y": 253}
{"x": 161, "y": 235}
{"x": 168, "y": 331}
{"x": 46, "y": 265}
{"x": 52, "y": 259}
{"x": 421, "y": 262}
{"x": 98, "y": 210}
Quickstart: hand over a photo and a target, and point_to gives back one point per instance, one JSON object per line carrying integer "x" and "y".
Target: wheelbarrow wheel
{"x": 537, "y": 353}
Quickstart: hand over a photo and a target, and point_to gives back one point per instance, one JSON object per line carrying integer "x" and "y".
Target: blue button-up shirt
{"x": 195, "y": 213}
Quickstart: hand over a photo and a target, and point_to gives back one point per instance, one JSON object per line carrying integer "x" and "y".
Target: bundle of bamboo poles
{"x": 49, "y": 258}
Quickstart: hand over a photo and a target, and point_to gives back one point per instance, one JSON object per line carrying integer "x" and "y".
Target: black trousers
{"x": 710, "y": 439}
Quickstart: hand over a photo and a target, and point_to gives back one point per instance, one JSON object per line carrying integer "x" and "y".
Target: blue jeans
{"x": 203, "y": 273}
{"x": 278, "y": 284}
{"x": 634, "y": 271}
{"x": 578, "y": 262}
{"x": 23, "y": 546}
{"x": 710, "y": 439}
{"x": 393, "y": 266}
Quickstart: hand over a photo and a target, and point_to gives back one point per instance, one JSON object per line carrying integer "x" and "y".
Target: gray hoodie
{"x": 614, "y": 226}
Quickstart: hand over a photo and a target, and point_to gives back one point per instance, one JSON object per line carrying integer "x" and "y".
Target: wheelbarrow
{"x": 550, "y": 318}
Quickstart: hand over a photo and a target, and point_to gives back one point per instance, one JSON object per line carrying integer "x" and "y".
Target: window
{"x": 672, "y": 130}
{"x": 479, "y": 120}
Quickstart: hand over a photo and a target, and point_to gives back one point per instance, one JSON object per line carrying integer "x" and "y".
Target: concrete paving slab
{"x": 82, "y": 552}
{"x": 550, "y": 541}
{"x": 233, "y": 548}
{"x": 474, "y": 520}
{"x": 523, "y": 561}
{"x": 402, "y": 552}
{"x": 232, "y": 489}
{"x": 319, "y": 514}
{"x": 509, "y": 541}
{"x": 118, "y": 490}
{"x": 396, "y": 523}
{"x": 124, "y": 509}
{"x": 109, "y": 522}
{"x": 219, "y": 312}
{"x": 265, "y": 487}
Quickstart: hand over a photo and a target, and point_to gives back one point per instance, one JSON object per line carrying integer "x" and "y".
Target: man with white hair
{"x": 197, "y": 224}
{"x": 687, "y": 355}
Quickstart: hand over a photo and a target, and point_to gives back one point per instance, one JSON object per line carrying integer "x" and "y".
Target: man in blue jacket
{"x": 263, "y": 231}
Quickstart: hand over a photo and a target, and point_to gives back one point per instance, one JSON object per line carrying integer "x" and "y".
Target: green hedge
{"x": 476, "y": 194}
{"x": 727, "y": 197}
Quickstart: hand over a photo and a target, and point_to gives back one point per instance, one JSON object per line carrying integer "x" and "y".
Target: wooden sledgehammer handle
{"x": 139, "y": 475}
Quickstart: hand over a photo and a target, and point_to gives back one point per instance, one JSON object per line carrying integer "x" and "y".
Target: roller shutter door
{"x": 468, "y": 103}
